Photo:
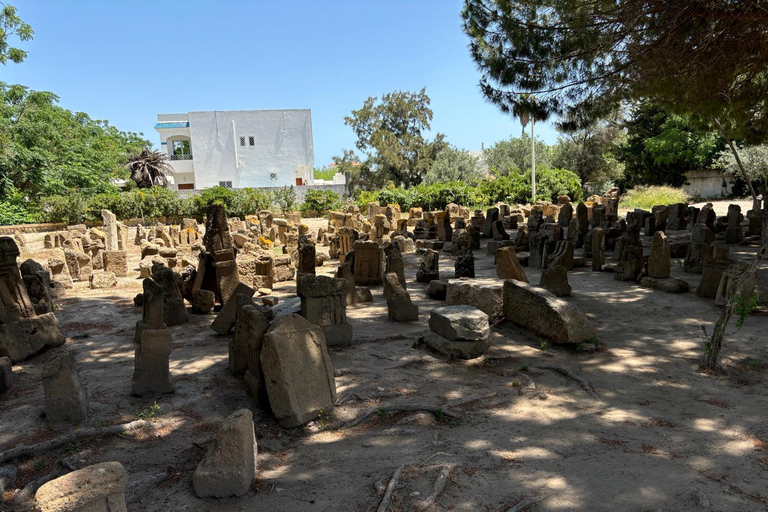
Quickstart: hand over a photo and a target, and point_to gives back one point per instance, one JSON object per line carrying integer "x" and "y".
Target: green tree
{"x": 45, "y": 149}
{"x": 514, "y": 155}
{"x": 11, "y": 25}
{"x": 661, "y": 147}
{"x": 755, "y": 162}
{"x": 390, "y": 135}
{"x": 454, "y": 164}
{"x": 706, "y": 58}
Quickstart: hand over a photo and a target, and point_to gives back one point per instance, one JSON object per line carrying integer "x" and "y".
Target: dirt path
{"x": 660, "y": 432}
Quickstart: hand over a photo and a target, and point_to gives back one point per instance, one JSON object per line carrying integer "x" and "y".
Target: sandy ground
{"x": 660, "y": 433}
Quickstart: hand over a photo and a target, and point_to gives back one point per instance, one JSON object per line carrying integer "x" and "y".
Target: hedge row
{"x": 512, "y": 189}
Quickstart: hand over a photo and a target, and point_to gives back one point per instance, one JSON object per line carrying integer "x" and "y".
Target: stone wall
{"x": 707, "y": 184}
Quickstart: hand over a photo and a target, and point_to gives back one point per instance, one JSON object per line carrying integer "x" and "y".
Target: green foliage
{"x": 755, "y": 162}
{"x": 648, "y": 197}
{"x": 149, "y": 411}
{"x": 72, "y": 208}
{"x": 285, "y": 199}
{"x": 744, "y": 308}
{"x": 516, "y": 188}
{"x": 453, "y": 164}
{"x": 248, "y": 201}
{"x": 661, "y": 147}
{"x": 325, "y": 174}
{"x": 513, "y": 155}
{"x": 319, "y": 201}
{"x": 47, "y": 150}
{"x": 591, "y": 151}
{"x": 12, "y": 25}
{"x": 430, "y": 197}
{"x": 389, "y": 133}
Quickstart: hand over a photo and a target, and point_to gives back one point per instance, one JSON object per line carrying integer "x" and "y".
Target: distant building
{"x": 238, "y": 148}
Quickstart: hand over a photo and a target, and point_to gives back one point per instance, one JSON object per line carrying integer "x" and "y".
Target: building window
{"x": 181, "y": 150}
{"x": 225, "y": 184}
{"x": 251, "y": 141}
{"x": 242, "y": 141}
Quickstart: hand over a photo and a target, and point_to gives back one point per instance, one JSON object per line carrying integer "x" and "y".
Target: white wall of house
{"x": 278, "y": 147}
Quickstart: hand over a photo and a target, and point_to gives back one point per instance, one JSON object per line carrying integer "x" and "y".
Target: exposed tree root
{"x": 390, "y": 488}
{"x": 586, "y": 386}
{"x": 137, "y": 488}
{"x": 395, "y": 408}
{"x": 527, "y": 502}
{"x": 438, "y": 487}
{"x": 70, "y": 437}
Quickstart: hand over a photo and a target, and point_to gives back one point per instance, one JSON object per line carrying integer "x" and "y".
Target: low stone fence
{"x": 707, "y": 184}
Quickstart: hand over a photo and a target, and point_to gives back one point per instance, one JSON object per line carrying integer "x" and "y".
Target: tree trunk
{"x": 755, "y": 202}
{"x": 715, "y": 341}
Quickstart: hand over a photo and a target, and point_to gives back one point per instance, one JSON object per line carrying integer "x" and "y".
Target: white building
{"x": 238, "y": 148}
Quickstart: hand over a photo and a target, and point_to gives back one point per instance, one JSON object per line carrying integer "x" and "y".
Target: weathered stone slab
{"x": 229, "y": 466}
{"x": 508, "y": 266}
{"x": 225, "y": 320}
{"x": 97, "y": 488}
{"x": 65, "y": 398}
{"x": 400, "y": 308}
{"x": 459, "y": 323}
{"x": 456, "y": 349}
{"x": 545, "y": 315}
{"x": 297, "y": 371}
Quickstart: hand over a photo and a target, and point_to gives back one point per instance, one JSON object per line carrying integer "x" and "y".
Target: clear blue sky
{"x": 127, "y": 61}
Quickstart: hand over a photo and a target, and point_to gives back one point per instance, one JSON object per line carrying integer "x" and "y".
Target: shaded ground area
{"x": 659, "y": 431}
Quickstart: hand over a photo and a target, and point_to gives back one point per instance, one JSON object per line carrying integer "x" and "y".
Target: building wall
{"x": 707, "y": 184}
{"x": 283, "y": 141}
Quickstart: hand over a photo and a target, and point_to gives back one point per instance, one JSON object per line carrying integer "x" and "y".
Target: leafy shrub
{"x": 71, "y": 208}
{"x": 214, "y": 195}
{"x": 648, "y": 197}
{"x": 248, "y": 201}
{"x": 285, "y": 199}
{"x": 11, "y": 213}
{"x": 551, "y": 183}
{"x": 319, "y": 201}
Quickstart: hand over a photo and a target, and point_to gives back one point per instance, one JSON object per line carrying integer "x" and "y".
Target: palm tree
{"x": 149, "y": 167}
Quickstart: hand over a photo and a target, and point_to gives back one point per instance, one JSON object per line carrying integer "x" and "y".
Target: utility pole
{"x": 533, "y": 160}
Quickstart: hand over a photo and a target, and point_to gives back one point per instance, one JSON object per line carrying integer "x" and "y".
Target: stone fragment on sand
{"x": 400, "y": 308}
{"x": 65, "y": 398}
{"x": 103, "y": 280}
{"x": 297, "y": 371}
{"x": 508, "y": 266}
{"x": 97, "y": 488}
{"x": 545, "y": 315}
{"x": 225, "y": 320}
{"x": 229, "y": 466}
{"x": 461, "y": 322}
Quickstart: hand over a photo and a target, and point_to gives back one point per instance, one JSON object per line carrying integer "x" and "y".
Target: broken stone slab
{"x": 250, "y": 327}
{"x": 363, "y": 294}
{"x": 225, "y": 320}
{"x": 297, "y": 371}
{"x": 24, "y": 338}
{"x": 6, "y": 374}
{"x": 400, "y": 308}
{"x": 484, "y": 294}
{"x": 324, "y": 303}
{"x": 65, "y": 398}
{"x": 458, "y": 349}
{"x": 668, "y": 284}
{"x": 545, "y": 315}
{"x": 103, "y": 280}
{"x": 508, "y": 266}
{"x": 116, "y": 262}
{"x": 289, "y": 306}
{"x": 555, "y": 280}
{"x": 151, "y": 375}
{"x": 229, "y": 466}
{"x": 203, "y": 301}
{"x": 97, "y": 488}
{"x": 459, "y": 323}
{"x": 437, "y": 289}
{"x": 428, "y": 269}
